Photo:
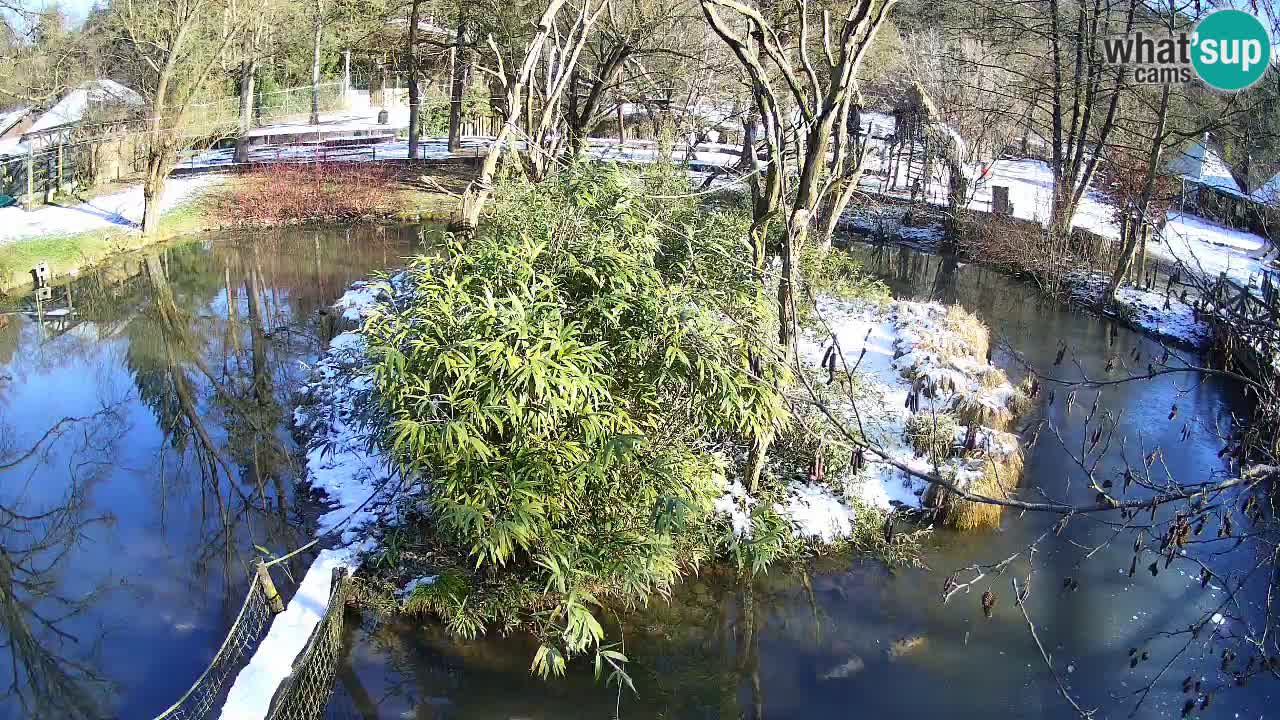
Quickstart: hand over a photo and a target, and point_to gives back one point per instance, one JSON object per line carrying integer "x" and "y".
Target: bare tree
{"x": 516, "y": 104}
{"x": 317, "y": 24}
{"x": 411, "y": 61}
{"x": 459, "y": 80}
{"x": 175, "y": 46}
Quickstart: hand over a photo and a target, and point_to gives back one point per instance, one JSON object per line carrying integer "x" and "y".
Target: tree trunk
{"x": 786, "y": 290}
{"x": 315, "y": 68}
{"x": 477, "y": 193}
{"x": 152, "y": 190}
{"x": 248, "y": 71}
{"x": 622, "y": 124}
{"x": 459, "y": 79}
{"x": 157, "y": 170}
{"x": 411, "y": 58}
{"x": 1128, "y": 244}
{"x": 1141, "y": 255}
{"x": 1139, "y": 223}
{"x": 747, "y": 160}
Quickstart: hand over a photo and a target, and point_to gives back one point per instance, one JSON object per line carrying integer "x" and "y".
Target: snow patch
{"x": 1166, "y": 317}
{"x": 893, "y": 349}
{"x": 817, "y": 513}
{"x": 361, "y": 298}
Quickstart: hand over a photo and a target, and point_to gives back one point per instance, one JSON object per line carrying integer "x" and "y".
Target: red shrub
{"x": 294, "y": 192}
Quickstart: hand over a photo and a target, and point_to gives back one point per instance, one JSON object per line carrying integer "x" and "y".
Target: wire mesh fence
{"x": 268, "y": 107}
{"x": 203, "y": 698}
{"x": 305, "y": 693}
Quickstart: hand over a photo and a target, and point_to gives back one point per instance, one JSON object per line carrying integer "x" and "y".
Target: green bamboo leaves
{"x": 557, "y": 385}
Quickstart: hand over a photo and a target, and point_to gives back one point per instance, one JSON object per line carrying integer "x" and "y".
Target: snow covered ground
{"x": 1198, "y": 243}
{"x": 1161, "y": 316}
{"x": 893, "y": 349}
{"x": 121, "y": 210}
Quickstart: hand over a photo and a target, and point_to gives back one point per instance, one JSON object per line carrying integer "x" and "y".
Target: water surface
{"x": 128, "y": 533}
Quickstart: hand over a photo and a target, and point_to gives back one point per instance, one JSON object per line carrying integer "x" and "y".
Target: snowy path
{"x": 121, "y": 210}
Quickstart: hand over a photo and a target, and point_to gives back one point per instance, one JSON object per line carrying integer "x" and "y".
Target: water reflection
{"x": 126, "y": 535}
{"x": 848, "y": 637}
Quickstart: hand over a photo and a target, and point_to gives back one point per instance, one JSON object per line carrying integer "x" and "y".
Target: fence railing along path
{"x": 1246, "y": 324}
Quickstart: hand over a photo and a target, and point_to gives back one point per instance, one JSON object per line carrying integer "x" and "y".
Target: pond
{"x": 165, "y": 381}
{"x": 134, "y": 521}
{"x": 848, "y": 637}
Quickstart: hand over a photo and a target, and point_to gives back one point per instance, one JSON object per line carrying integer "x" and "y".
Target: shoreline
{"x": 69, "y": 255}
{"x": 1079, "y": 290}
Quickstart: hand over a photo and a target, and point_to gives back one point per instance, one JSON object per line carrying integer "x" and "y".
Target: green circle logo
{"x": 1232, "y": 50}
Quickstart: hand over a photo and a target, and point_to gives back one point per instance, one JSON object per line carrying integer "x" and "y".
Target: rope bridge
{"x": 305, "y": 692}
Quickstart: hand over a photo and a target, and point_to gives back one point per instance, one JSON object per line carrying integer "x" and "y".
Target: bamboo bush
{"x": 558, "y": 385}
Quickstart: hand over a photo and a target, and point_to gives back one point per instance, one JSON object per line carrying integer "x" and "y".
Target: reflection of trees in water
{"x": 697, "y": 656}
{"x": 175, "y": 380}
{"x": 49, "y": 661}
{"x": 210, "y": 335}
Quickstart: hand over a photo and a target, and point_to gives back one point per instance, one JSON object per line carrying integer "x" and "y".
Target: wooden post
{"x": 59, "y": 166}
{"x": 31, "y": 175}
{"x": 269, "y": 589}
{"x": 1000, "y": 204}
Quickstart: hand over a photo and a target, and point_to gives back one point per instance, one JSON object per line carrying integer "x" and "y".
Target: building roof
{"x": 1199, "y": 163}
{"x": 72, "y": 107}
{"x": 12, "y": 116}
{"x": 12, "y": 147}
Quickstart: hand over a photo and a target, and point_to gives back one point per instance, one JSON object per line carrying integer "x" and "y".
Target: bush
{"x": 558, "y": 384}
{"x": 295, "y": 192}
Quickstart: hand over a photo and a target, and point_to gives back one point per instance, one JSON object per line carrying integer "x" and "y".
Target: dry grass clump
{"x": 1000, "y": 475}
{"x": 1022, "y": 401}
{"x": 932, "y": 434}
{"x": 979, "y": 409}
{"x": 992, "y": 377}
{"x": 976, "y": 336}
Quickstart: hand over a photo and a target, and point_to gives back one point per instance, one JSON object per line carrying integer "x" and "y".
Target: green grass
{"x": 68, "y": 253}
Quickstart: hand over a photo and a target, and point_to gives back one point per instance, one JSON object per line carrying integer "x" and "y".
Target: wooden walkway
{"x": 1246, "y": 325}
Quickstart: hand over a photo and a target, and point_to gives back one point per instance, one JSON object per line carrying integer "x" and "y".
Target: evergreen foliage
{"x": 561, "y": 385}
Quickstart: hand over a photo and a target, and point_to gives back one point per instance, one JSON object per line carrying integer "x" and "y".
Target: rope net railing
{"x": 302, "y": 695}
{"x": 305, "y": 693}
{"x": 202, "y": 700}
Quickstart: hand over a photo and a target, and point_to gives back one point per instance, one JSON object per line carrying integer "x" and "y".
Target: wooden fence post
{"x": 31, "y": 175}
{"x": 269, "y": 589}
